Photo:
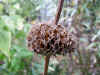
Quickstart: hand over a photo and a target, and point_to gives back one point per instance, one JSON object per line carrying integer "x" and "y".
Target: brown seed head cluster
{"x": 51, "y": 39}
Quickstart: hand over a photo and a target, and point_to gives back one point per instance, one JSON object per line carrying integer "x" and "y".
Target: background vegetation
{"x": 81, "y": 17}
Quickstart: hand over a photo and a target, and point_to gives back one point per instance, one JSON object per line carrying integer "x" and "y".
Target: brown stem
{"x": 60, "y": 5}
{"x": 46, "y": 65}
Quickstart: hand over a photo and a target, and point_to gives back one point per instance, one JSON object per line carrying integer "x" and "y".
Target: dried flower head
{"x": 50, "y": 39}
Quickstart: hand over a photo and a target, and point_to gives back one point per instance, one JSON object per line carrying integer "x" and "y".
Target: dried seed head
{"x": 50, "y": 39}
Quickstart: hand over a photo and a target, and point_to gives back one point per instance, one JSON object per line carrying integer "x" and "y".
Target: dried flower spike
{"x": 50, "y": 39}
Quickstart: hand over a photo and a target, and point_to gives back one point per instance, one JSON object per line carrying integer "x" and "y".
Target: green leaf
{"x": 5, "y": 42}
{"x": 22, "y": 53}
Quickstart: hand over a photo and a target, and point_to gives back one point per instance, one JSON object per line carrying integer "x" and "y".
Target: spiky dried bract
{"x": 50, "y": 39}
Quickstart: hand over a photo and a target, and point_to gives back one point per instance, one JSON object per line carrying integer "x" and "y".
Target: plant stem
{"x": 60, "y": 5}
{"x": 47, "y": 58}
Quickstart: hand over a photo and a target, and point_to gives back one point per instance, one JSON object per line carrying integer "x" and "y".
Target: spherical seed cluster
{"x": 50, "y": 39}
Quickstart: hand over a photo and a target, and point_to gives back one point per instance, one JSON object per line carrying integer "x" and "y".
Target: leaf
{"x": 5, "y": 42}
{"x": 22, "y": 52}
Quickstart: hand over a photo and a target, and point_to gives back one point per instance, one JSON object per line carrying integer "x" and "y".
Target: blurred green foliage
{"x": 13, "y": 29}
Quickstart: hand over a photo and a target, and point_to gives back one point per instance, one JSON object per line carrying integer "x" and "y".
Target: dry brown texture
{"x": 50, "y": 39}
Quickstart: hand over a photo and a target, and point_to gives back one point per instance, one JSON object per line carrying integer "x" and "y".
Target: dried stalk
{"x": 60, "y": 5}
{"x": 47, "y": 58}
{"x": 46, "y": 65}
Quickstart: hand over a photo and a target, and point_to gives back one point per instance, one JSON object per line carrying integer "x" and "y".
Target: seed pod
{"x": 50, "y": 39}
